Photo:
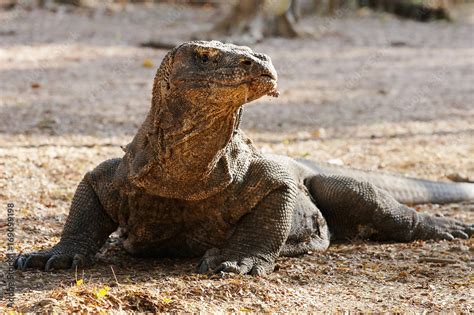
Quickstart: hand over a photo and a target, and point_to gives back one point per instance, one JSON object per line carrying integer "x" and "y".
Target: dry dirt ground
{"x": 368, "y": 91}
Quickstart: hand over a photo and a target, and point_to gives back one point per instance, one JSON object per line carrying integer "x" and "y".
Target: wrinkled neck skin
{"x": 190, "y": 139}
{"x": 181, "y": 150}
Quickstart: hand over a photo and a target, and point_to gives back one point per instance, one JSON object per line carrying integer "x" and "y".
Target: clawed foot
{"x": 57, "y": 257}
{"x": 216, "y": 260}
{"x": 437, "y": 228}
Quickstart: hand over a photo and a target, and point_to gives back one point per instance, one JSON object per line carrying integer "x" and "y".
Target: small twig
{"x": 113, "y": 272}
{"x": 438, "y": 260}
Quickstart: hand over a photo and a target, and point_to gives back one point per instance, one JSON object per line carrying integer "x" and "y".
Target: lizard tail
{"x": 404, "y": 189}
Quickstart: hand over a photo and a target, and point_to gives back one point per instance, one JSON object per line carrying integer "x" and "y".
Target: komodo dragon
{"x": 192, "y": 184}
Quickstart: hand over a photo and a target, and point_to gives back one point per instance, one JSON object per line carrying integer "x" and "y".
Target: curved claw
{"x": 58, "y": 262}
{"x": 211, "y": 259}
{"x": 446, "y": 236}
{"x": 254, "y": 267}
{"x": 460, "y": 234}
{"x": 203, "y": 267}
{"x": 258, "y": 270}
{"x": 55, "y": 258}
{"x": 229, "y": 266}
{"x": 35, "y": 260}
{"x": 81, "y": 261}
{"x": 460, "y": 230}
{"x": 214, "y": 261}
{"x": 469, "y": 229}
{"x": 19, "y": 261}
{"x": 445, "y": 228}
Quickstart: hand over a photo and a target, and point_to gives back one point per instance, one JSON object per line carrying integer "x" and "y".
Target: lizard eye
{"x": 204, "y": 58}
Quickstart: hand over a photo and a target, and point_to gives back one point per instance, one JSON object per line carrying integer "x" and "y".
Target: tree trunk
{"x": 409, "y": 9}
{"x": 251, "y": 21}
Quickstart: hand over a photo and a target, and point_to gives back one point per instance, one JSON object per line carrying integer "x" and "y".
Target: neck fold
{"x": 180, "y": 153}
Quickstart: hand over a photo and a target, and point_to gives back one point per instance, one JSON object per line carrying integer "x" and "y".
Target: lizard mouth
{"x": 270, "y": 83}
{"x": 267, "y": 76}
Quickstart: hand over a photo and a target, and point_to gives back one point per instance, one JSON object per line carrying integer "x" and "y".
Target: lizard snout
{"x": 259, "y": 65}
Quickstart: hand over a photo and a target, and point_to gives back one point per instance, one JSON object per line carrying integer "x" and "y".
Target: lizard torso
{"x": 161, "y": 226}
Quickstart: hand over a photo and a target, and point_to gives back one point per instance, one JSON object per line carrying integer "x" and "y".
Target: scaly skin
{"x": 404, "y": 189}
{"x": 192, "y": 184}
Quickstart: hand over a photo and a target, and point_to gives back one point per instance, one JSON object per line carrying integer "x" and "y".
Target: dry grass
{"x": 74, "y": 88}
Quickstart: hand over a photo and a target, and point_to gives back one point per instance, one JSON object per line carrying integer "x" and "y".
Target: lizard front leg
{"x": 257, "y": 239}
{"x": 87, "y": 228}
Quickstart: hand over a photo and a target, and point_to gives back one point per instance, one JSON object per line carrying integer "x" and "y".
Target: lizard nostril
{"x": 246, "y": 62}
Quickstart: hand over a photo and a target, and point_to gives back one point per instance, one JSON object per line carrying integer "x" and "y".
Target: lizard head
{"x": 210, "y": 72}
{"x": 199, "y": 88}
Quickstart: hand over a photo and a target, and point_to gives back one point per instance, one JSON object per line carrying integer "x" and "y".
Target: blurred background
{"x": 374, "y": 84}
{"x": 80, "y": 71}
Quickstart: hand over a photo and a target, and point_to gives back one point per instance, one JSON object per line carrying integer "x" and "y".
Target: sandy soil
{"x": 368, "y": 91}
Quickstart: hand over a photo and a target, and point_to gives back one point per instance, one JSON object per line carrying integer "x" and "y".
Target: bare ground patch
{"x": 74, "y": 88}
